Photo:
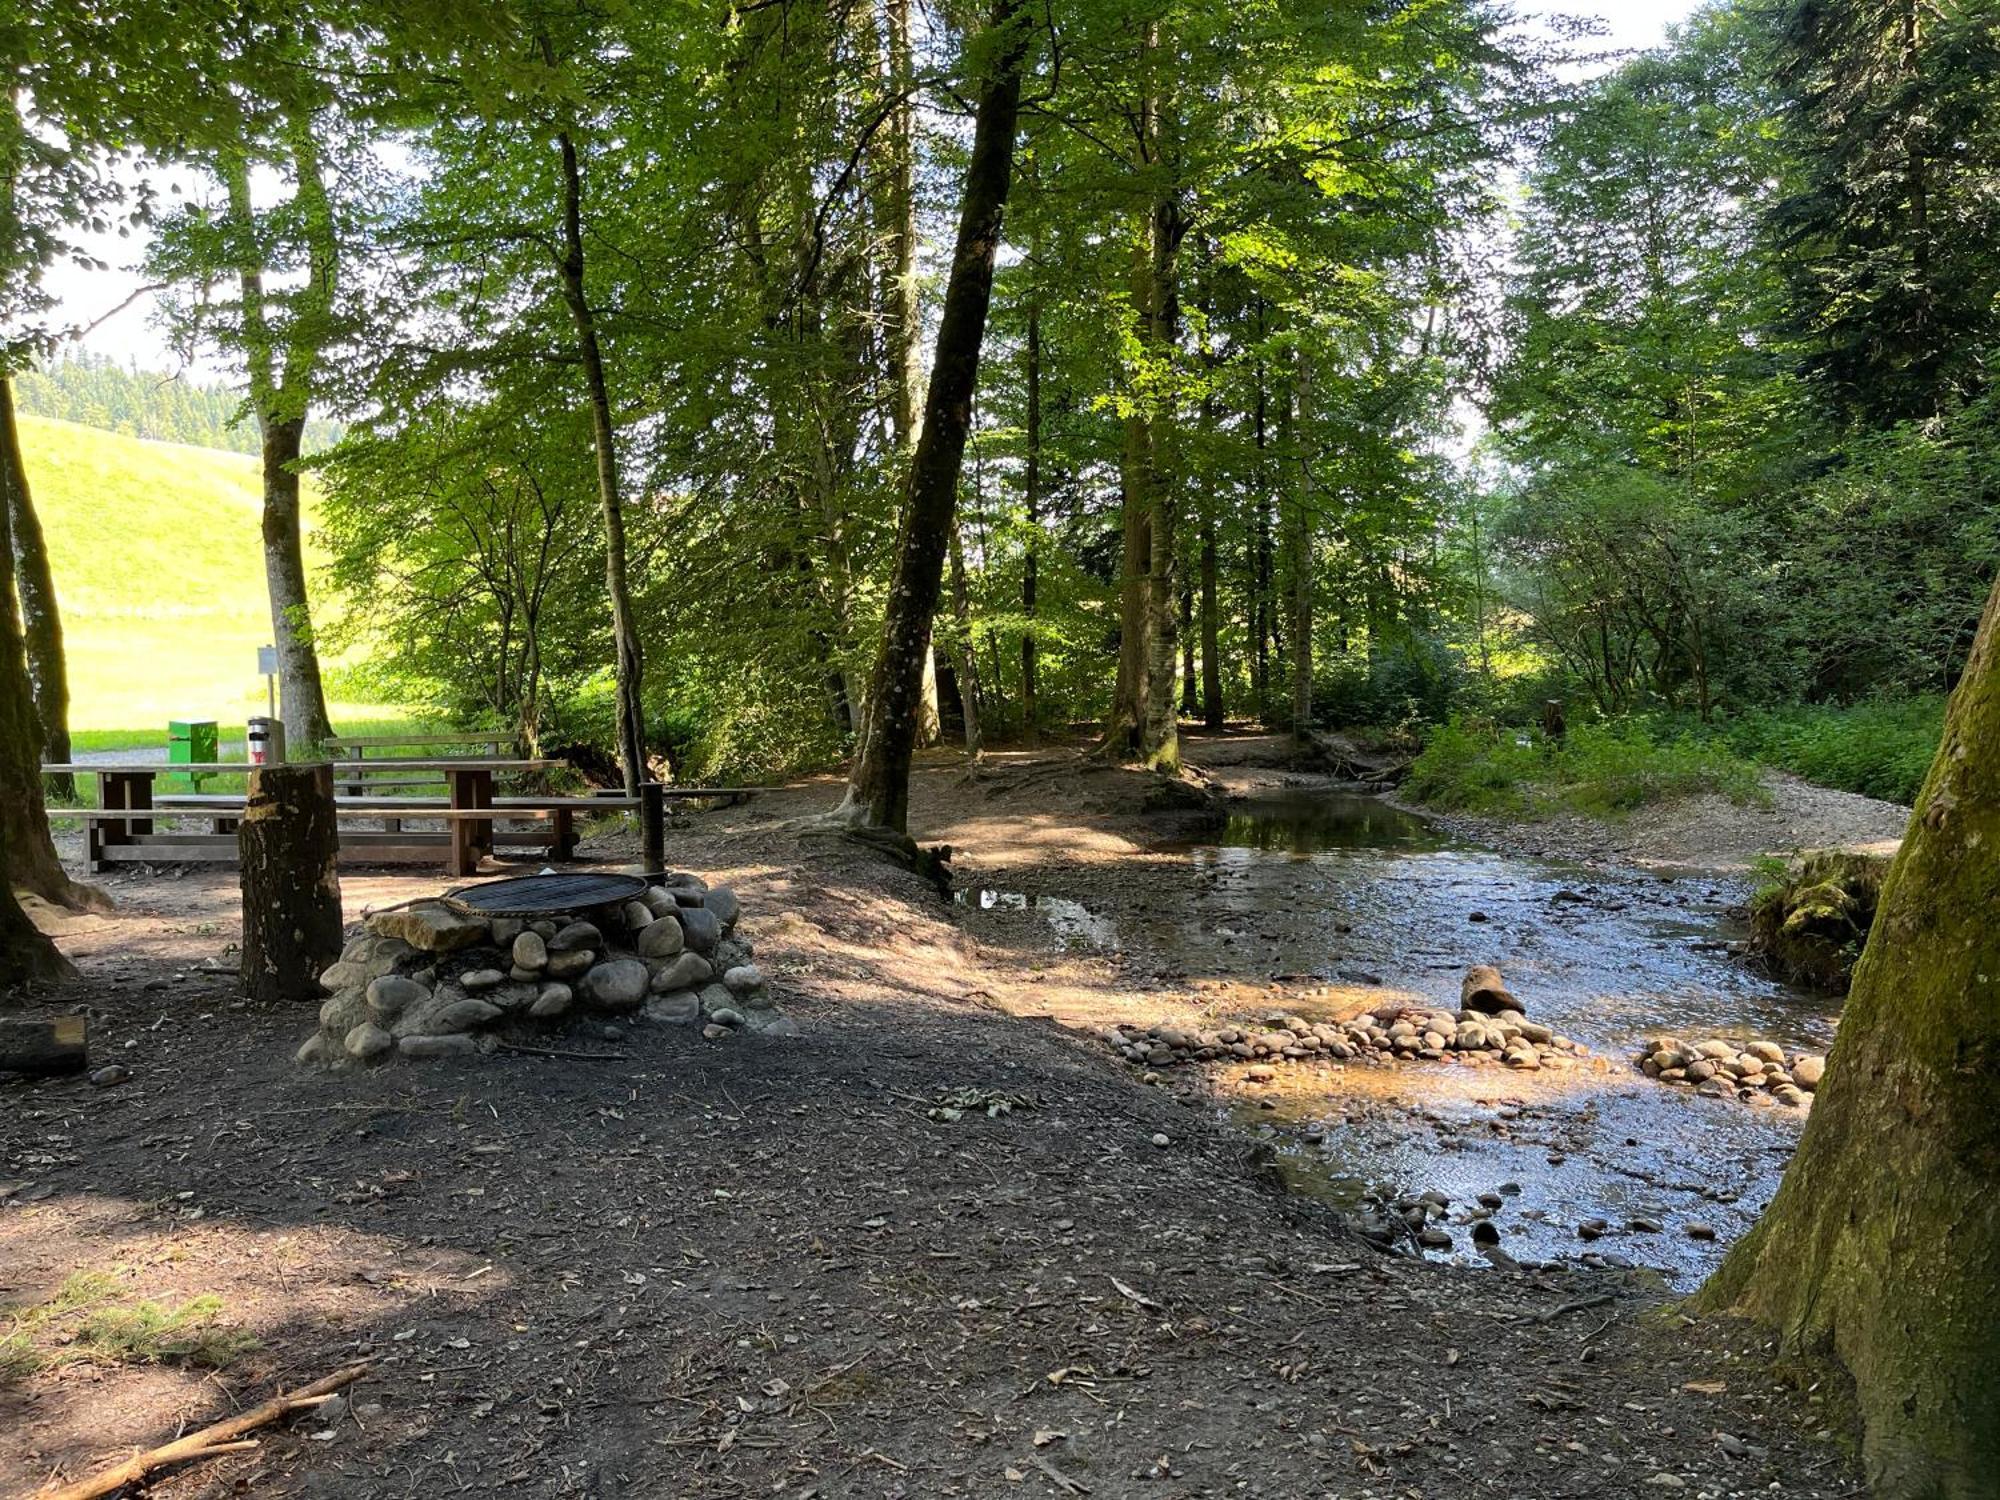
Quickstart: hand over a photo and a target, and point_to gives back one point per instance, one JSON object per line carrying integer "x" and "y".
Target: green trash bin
{"x": 191, "y": 742}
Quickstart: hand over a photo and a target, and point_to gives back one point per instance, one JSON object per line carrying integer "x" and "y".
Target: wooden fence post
{"x": 653, "y": 826}
{"x": 287, "y": 844}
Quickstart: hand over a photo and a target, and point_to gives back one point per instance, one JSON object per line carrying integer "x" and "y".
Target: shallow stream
{"x": 1346, "y": 892}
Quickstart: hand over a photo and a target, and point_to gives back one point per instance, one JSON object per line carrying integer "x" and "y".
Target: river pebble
{"x": 1758, "y": 1072}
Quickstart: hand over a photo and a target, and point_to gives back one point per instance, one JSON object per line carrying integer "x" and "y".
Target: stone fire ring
{"x": 514, "y": 960}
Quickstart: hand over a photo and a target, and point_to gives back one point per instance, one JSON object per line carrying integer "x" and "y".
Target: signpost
{"x": 267, "y": 663}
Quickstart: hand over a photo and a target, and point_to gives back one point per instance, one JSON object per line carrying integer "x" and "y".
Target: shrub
{"x": 1475, "y": 765}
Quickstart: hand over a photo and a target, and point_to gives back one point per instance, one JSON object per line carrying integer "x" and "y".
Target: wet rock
{"x": 1434, "y": 1238}
{"x": 1765, "y": 1052}
{"x": 1695, "y": 1230}
{"x": 1485, "y": 1232}
{"x": 1484, "y": 991}
{"x": 1491, "y": 1200}
{"x": 530, "y": 952}
{"x": 1646, "y": 1226}
{"x": 1591, "y": 1229}
{"x": 1807, "y": 1071}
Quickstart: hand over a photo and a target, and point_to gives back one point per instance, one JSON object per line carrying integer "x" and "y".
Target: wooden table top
{"x": 342, "y": 767}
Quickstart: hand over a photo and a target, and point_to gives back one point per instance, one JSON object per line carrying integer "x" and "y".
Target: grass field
{"x": 160, "y": 573}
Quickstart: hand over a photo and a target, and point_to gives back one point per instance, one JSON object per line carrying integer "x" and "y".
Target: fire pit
{"x": 510, "y": 960}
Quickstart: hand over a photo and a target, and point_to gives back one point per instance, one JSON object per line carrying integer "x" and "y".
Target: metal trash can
{"x": 266, "y": 741}
{"x": 191, "y": 742}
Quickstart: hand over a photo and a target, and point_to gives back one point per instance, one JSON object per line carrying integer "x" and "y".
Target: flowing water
{"x": 1347, "y": 891}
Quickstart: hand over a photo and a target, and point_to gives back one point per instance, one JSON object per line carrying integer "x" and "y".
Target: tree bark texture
{"x": 288, "y": 842}
{"x": 1031, "y": 484}
{"x": 1212, "y": 709}
{"x": 280, "y": 400}
{"x": 1144, "y": 724}
{"x": 967, "y": 663}
{"x": 878, "y": 793}
{"x": 301, "y": 698}
{"x": 27, "y": 851}
{"x": 630, "y": 664}
{"x": 1883, "y": 1243}
{"x": 1297, "y": 496}
{"x": 34, "y": 582}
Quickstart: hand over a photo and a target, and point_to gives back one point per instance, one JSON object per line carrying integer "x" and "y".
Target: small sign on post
{"x": 267, "y": 664}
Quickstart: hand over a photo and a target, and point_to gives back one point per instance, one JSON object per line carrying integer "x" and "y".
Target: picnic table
{"x": 115, "y": 834}
{"x": 355, "y": 747}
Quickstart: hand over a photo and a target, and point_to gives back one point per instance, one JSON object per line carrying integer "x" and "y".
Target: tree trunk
{"x": 1298, "y": 550}
{"x": 1260, "y": 570}
{"x": 1031, "y": 722}
{"x": 301, "y": 699}
{"x": 27, "y": 851}
{"x": 27, "y": 956}
{"x": 1884, "y": 1239}
{"x": 1212, "y": 713}
{"x": 1189, "y": 705}
{"x": 967, "y": 663}
{"x": 280, "y": 402}
{"x": 896, "y": 230}
{"x": 287, "y": 843}
{"x": 630, "y": 660}
{"x": 1144, "y": 724}
{"x": 41, "y": 618}
{"x": 878, "y": 794}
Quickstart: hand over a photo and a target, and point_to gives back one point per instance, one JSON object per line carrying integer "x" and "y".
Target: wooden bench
{"x": 469, "y": 832}
{"x": 357, "y": 746}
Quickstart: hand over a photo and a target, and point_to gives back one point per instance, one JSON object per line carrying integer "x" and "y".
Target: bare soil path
{"x": 761, "y": 1267}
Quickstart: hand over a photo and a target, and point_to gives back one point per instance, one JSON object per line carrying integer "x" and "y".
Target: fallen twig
{"x": 1603, "y": 1299}
{"x": 221, "y": 1437}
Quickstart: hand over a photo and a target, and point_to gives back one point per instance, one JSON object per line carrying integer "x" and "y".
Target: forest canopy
{"x": 1344, "y": 364}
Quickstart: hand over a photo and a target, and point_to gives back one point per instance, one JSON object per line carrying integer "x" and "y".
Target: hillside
{"x": 160, "y": 573}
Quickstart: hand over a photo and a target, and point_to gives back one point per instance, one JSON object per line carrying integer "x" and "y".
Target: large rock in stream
{"x": 1810, "y": 926}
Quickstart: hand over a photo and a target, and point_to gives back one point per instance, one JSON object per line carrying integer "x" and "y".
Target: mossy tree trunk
{"x": 28, "y": 859}
{"x": 1883, "y": 1243}
{"x": 34, "y": 581}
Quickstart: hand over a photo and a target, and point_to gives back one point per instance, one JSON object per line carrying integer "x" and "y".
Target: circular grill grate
{"x": 542, "y": 895}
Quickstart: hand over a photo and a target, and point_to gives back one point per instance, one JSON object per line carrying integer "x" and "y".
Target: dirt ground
{"x": 761, "y": 1267}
